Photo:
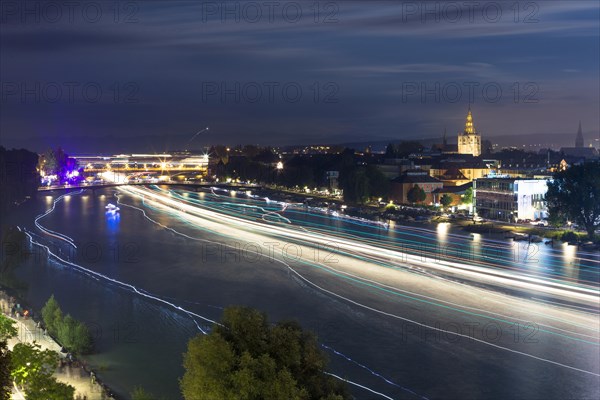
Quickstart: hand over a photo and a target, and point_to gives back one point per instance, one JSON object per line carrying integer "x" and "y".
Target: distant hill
{"x": 544, "y": 140}
{"x": 530, "y": 141}
{"x": 112, "y": 144}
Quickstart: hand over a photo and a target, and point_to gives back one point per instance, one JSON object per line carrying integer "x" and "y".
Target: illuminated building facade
{"x": 469, "y": 141}
{"x": 510, "y": 199}
{"x": 402, "y": 185}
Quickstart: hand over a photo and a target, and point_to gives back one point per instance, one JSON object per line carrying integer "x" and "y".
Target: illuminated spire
{"x": 469, "y": 128}
{"x": 579, "y": 138}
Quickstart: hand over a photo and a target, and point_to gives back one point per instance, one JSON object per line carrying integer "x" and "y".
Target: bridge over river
{"x": 222, "y": 185}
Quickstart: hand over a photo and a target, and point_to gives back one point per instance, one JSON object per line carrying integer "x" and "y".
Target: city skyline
{"x": 112, "y": 144}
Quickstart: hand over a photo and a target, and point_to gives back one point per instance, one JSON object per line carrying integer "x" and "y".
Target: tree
{"x": 569, "y": 236}
{"x": 70, "y": 333}
{"x": 408, "y": 147}
{"x": 247, "y": 358}
{"x": 30, "y": 362}
{"x": 220, "y": 153}
{"x": 82, "y": 339}
{"x": 32, "y": 368}
{"x": 556, "y": 219}
{"x": 65, "y": 331}
{"x": 48, "y": 162}
{"x": 446, "y": 200}
{"x": 140, "y": 394}
{"x": 355, "y": 183}
{"x": 48, "y": 388}
{"x": 18, "y": 178}
{"x": 14, "y": 249}
{"x": 416, "y": 194}
{"x": 74, "y": 335}
{"x": 266, "y": 156}
{"x": 575, "y": 194}
{"x": 467, "y": 198}
{"x": 52, "y": 315}
{"x": 57, "y": 162}
{"x": 390, "y": 151}
{"x": 379, "y": 184}
{"x": 250, "y": 150}
{"x": 7, "y": 328}
{"x": 5, "y": 377}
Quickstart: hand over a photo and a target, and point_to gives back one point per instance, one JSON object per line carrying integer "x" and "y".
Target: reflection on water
{"x": 569, "y": 254}
{"x": 112, "y": 221}
{"x": 161, "y": 263}
{"x": 571, "y": 264}
{"x": 442, "y": 232}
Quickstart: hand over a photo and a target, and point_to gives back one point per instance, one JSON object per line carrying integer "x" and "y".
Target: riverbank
{"x": 71, "y": 370}
{"x": 426, "y": 217}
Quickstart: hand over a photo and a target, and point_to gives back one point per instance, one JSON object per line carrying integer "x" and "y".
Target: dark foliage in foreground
{"x": 247, "y": 358}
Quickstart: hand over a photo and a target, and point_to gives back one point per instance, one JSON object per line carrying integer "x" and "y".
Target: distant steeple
{"x": 444, "y": 141}
{"x": 469, "y": 127}
{"x": 579, "y": 139}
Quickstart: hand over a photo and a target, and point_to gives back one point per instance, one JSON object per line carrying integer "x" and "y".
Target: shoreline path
{"x": 28, "y": 332}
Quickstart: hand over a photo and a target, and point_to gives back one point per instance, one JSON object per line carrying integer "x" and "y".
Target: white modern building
{"x": 510, "y": 199}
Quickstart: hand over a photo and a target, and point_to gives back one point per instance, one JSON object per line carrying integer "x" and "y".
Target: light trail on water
{"x": 589, "y": 295}
{"x": 49, "y": 232}
{"x": 188, "y": 213}
{"x": 451, "y": 252}
{"x": 288, "y": 266}
{"x": 472, "y": 308}
{"x": 141, "y": 292}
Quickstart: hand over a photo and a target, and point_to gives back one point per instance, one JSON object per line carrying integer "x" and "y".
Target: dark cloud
{"x": 56, "y": 41}
{"x": 366, "y": 70}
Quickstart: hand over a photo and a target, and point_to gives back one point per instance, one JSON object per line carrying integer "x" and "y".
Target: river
{"x": 148, "y": 278}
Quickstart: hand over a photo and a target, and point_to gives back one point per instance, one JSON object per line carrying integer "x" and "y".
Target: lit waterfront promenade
{"x": 28, "y": 332}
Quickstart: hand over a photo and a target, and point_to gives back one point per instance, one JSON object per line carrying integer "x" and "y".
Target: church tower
{"x": 579, "y": 138}
{"x": 469, "y": 141}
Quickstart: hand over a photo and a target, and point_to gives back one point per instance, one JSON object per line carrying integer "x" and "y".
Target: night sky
{"x": 259, "y": 72}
